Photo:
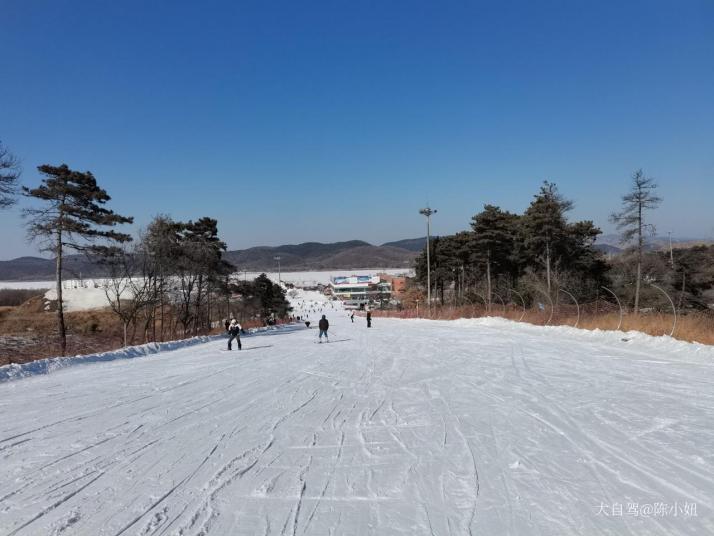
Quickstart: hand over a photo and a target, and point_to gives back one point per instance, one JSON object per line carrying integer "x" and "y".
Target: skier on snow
{"x": 324, "y": 325}
{"x": 234, "y": 332}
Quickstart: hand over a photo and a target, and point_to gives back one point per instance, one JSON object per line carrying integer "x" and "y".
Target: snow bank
{"x": 45, "y": 366}
{"x": 80, "y": 299}
{"x": 635, "y": 338}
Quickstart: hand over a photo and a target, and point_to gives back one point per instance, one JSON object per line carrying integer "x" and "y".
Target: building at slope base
{"x": 358, "y": 291}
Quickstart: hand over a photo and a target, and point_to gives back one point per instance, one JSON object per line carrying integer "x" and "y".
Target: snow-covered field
{"x": 89, "y": 293}
{"x": 410, "y": 427}
{"x": 297, "y": 278}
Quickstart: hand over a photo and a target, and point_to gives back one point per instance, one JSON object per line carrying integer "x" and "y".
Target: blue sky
{"x": 337, "y": 120}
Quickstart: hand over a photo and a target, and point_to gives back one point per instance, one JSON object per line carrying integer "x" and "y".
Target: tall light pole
{"x": 277, "y": 258}
{"x": 428, "y": 212}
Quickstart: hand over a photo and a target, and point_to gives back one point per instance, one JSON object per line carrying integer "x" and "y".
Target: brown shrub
{"x": 17, "y": 296}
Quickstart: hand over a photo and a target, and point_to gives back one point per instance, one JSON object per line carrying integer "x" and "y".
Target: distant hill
{"x": 37, "y": 268}
{"x": 411, "y": 244}
{"x": 308, "y": 256}
{"x": 296, "y": 257}
{"x": 611, "y": 243}
{"x": 318, "y": 256}
{"x": 608, "y": 249}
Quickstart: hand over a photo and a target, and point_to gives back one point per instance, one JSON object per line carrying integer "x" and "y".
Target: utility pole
{"x": 277, "y": 258}
{"x": 428, "y": 212}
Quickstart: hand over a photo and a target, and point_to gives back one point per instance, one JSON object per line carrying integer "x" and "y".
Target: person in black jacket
{"x": 369, "y": 319}
{"x": 234, "y": 333}
{"x": 324, "y": 325}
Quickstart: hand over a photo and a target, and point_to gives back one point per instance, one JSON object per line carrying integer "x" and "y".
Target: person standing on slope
{"x": 324, "y": 325}
{"x": 369, "y": 319}
{"x": 352, "y": 317}
{"x": 234, "y": 333}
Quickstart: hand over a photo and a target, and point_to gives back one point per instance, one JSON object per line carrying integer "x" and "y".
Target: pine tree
{"x": 199, "y": 261}
{"x": 584, "y": 265}
{"x": 9, "y": 177}
{"x": 160, "y": 247}
{"x": 494, "y": 242}
{"x": 205, "y": 249}
{"x": 442, "y": 258}
{"x": 72, "y": 217}
{"x": 545, "y": 228}
{"x": 631, "y": 220}
{"x": 271, "y": 297}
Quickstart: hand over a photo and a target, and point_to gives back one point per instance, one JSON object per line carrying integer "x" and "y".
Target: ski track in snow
{"x": 411, "y": 427}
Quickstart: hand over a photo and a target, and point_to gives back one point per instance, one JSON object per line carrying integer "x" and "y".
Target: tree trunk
{"x": 197, "y": 321}
{"x": 161, "y": 305}
{"x": 547, "y": 265}
{"x": 60, "y": 307}
{"x": 640, "y": 247}
{"x": 153, "y": 313}
{"x": 637, "y": 286}
{"x": 149, "y": 320}
{"x": 133, "y": 329}
{"x": 488, "y": 279}
{"x": 208, "y": 307}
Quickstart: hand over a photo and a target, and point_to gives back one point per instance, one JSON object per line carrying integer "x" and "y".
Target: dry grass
{"x": 13, "y": 297}
{"x": 697, "y": 326}
{"x": 29, "y": 332}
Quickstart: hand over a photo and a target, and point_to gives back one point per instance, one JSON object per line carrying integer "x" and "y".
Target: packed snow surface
{"x": 411, "y": 427}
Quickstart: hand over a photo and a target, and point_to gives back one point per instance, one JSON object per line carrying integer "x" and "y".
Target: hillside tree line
{"x": 171, "y": 282}
{"x": 540, "y": 252}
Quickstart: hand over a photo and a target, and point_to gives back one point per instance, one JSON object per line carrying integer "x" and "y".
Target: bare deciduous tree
{"x": 127, "y": 288}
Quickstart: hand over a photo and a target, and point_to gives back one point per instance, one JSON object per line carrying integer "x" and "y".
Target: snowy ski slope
{"x": 411, "y": 427}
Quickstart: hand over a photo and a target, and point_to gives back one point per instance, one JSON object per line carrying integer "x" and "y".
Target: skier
{"x": 324, "y": 325}
{"x": 234, "y": 332}
{"x": 369, "y": 319}
{"x": 352, "y": 317}
{"x": 227, "y": 323}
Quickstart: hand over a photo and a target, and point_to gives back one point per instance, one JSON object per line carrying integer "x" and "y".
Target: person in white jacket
{"x": 234, "y": 333}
